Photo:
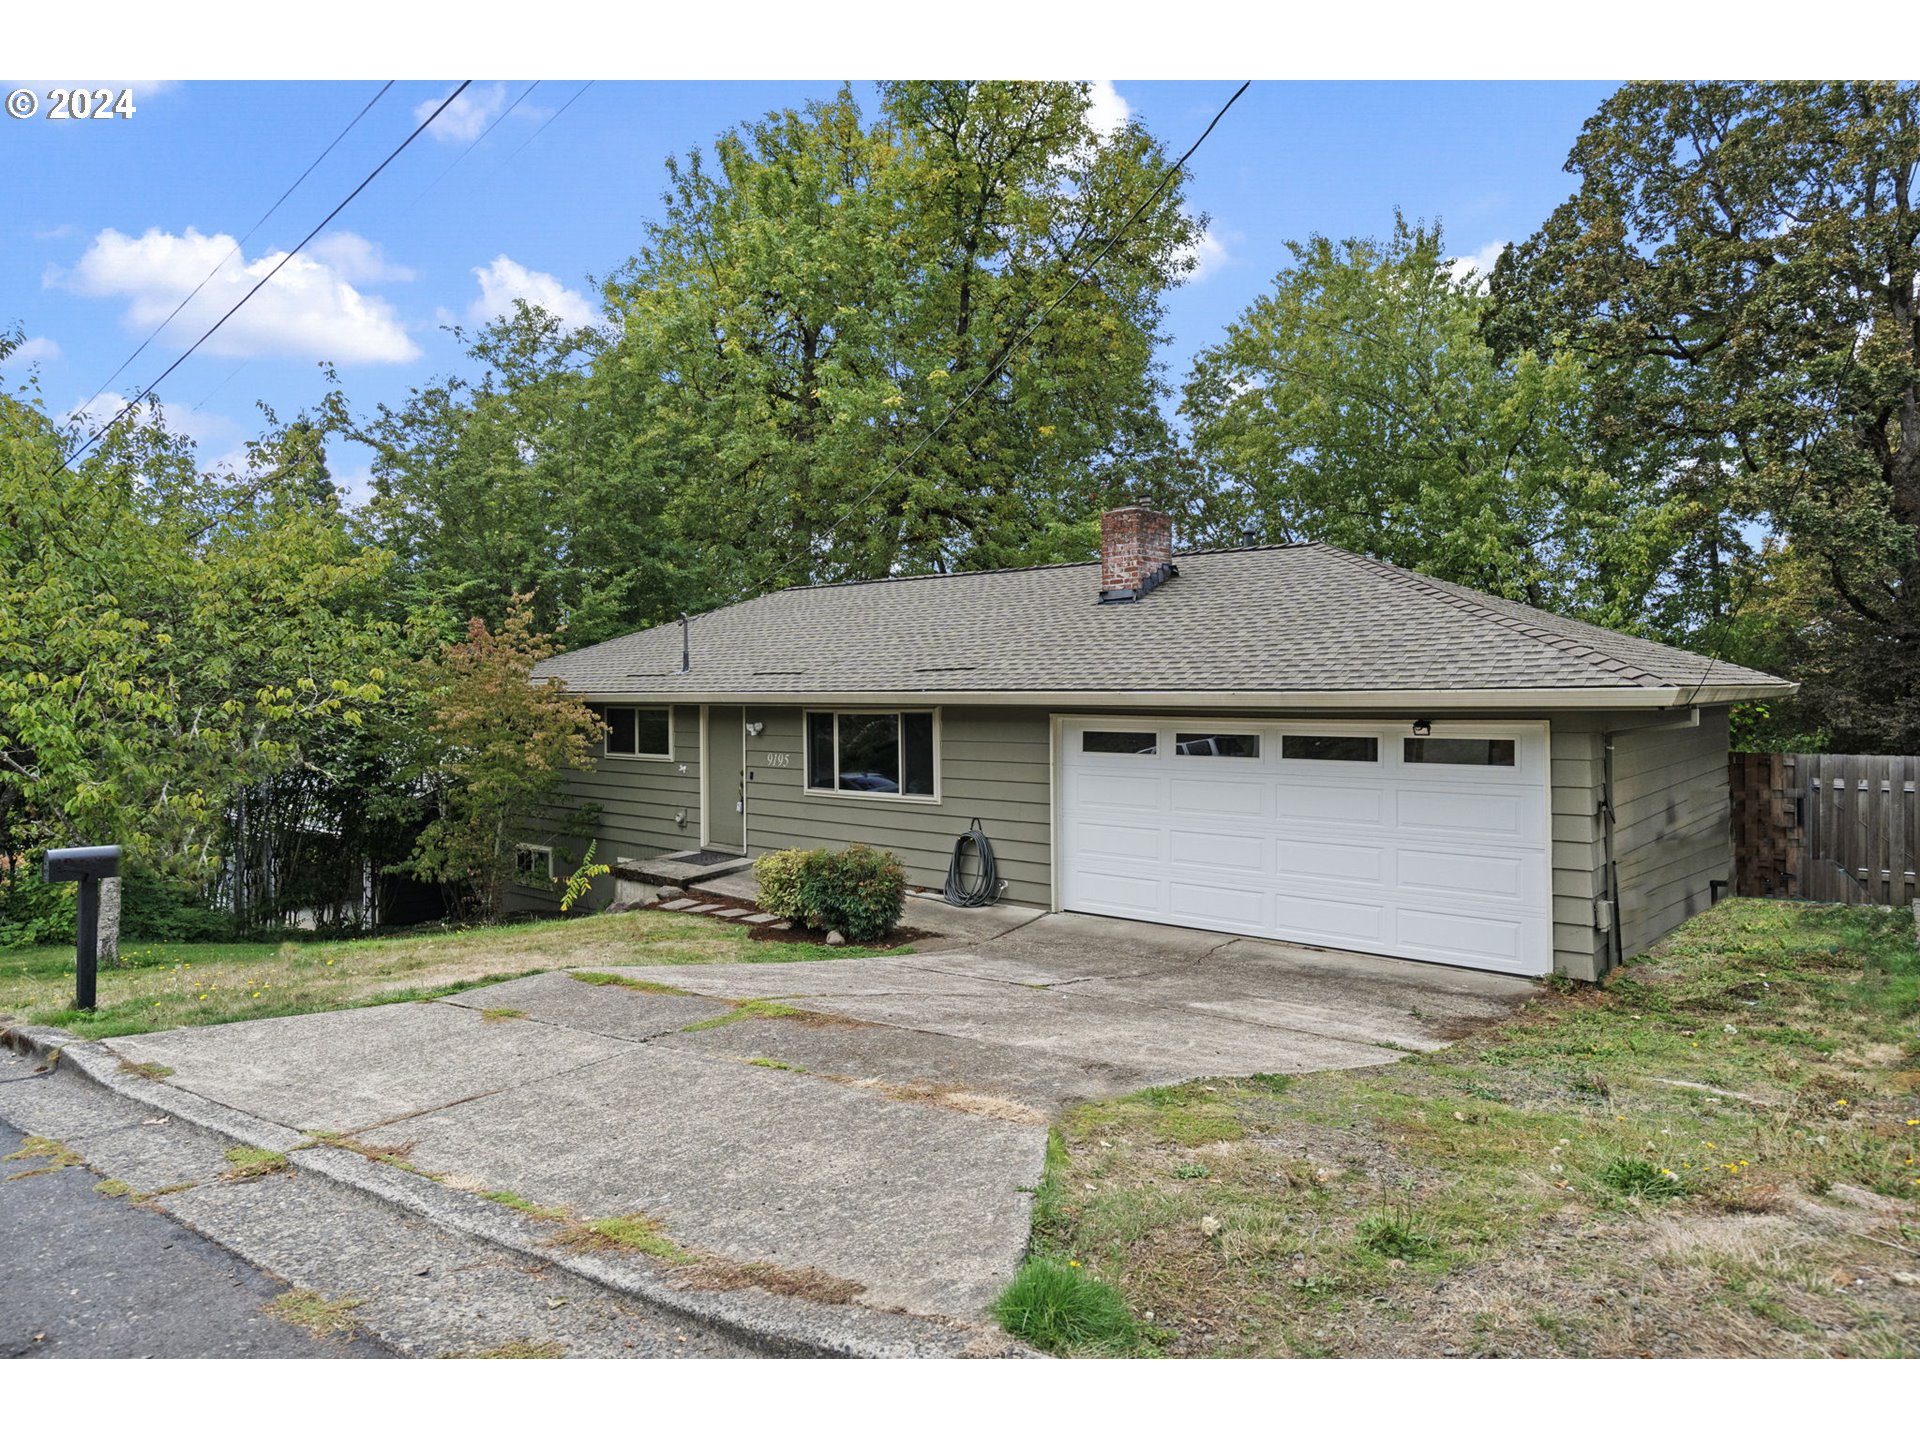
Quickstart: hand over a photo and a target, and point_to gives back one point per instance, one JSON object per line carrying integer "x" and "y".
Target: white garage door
{"x": 1360, "y": 837}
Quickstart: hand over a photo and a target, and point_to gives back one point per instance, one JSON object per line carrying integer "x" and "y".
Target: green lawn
{"x": 160, "y": 986}
{"x": 1717, "y": 1153}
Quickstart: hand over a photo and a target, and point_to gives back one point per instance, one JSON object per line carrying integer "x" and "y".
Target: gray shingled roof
{"x": 1273, "y": 619}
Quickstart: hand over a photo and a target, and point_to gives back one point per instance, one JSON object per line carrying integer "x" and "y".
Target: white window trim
{"x": 545, "y": 851}
{"x": 607, "y": 740}
{"x": 807, "y": 786}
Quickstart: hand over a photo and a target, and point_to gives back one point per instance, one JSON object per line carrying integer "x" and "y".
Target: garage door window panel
{"x": 1347, "y": 748}
{"x": 1120, "y": 742}
{"x": 1457, "y": 750}
{"x": 1216, "y": 744}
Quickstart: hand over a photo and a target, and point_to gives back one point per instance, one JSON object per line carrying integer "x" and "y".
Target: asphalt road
{"x": 89, "y": 1275}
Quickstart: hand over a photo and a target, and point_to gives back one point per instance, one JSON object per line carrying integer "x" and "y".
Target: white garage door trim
{"x": 1441, "y": 862}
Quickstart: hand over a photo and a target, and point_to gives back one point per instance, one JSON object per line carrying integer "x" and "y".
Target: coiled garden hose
{"x": 987, "y": 884}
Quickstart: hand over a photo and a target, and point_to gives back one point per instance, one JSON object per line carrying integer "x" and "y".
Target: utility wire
{"x": 262, "y": 282}
{"x": 476, "y": 140}
{"x": 238, "y": 246}
{"x": 1007, "y": 352}
{"x": 553, "y": 117}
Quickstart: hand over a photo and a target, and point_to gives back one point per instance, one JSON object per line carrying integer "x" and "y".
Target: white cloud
{"x": 34, "y": 347}
{"x": 463, "y": 120}
{"x": 308, "y": 311}
{"x": 504, "y": 281}
{"x": 355, "y": 258}
{"x": 1208, "y": 254}
{"x": 1476, "y": 268}
{"x": 1107, "y": 109}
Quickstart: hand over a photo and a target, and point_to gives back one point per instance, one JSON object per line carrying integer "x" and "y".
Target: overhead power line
{"x": 264, "y": 280}
{"x": 1005, "y": 358}
{"x": 478, "y": 138}
{"x": 553, "y": 117}
{"x": 238, "y": 246}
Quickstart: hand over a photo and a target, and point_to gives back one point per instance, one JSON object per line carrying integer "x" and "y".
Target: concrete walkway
{"x": 880, "y": 1120}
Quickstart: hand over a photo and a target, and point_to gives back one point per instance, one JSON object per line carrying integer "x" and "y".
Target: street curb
{"x": 774, "y": 1325}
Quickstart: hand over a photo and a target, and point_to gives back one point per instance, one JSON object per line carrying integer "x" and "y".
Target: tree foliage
{"x": 502, "y": 745}
{"x": 1357, "y": 403}
{"x": 1737, "y": 267}
{"x": 166, "y": 637}
{"x": 826, "y": 290}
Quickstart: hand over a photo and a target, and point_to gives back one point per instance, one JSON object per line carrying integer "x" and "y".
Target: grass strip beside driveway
{"x": 160, "y": 986}
{"x": 1717, "y": 1153}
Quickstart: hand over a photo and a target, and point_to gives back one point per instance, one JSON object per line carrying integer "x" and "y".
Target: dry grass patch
{"x": 160, "y": 986}
{"x": 1712, "y": 1154}
{"x": 315, "y": 1313}
{"x": 715, "y": 1273}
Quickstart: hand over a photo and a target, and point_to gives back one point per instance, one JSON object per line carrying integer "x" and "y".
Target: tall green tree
{"x": 827, "y": 289}
{"x": 1737, "y": 267}
{"x": 167, "y": 637}
{"x": 1357, "y": 403}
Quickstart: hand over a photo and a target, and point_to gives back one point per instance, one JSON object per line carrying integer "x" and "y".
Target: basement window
{"x": 533, "y": 864}
{"x": 878, "y": 753}
{"x": 638, "y": 733}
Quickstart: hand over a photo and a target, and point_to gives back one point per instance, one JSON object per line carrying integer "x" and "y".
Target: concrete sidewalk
{"x": 874, "y": 1124}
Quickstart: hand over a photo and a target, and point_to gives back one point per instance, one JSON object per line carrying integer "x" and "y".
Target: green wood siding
{"x": 1672, "y": 835}
{"x": 638, "y": 800}
{"x": 992, "y": 764}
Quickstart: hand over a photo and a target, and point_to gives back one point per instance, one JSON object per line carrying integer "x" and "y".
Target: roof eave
{"x": 1588, "y": 697}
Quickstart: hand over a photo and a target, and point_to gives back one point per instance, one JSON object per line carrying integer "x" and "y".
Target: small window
{"x": 1234, "y": 747}
{"x": 533, "y": 864}
{"x": 1119, "y": 742}
{"x": 632, "y": 731}
{"x": 1457, "y": 750}
{"x": 1330, "y": 747}
{"x": 871, "y": 753}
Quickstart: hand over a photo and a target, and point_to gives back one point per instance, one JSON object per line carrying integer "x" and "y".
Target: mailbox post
{"x": 89, "y": 864}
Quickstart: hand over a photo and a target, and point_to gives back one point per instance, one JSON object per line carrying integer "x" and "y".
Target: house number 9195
{"x": 779, "y": 759}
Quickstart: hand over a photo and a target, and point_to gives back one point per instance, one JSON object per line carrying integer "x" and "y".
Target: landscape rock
{"x": 671, "y": 892}
{"x": 834, "y": 937}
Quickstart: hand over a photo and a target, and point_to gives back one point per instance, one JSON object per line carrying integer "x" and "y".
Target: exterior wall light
{"x": 1423, "y": 727}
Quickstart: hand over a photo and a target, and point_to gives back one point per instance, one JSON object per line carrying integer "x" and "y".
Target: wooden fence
{"x": 1840, "y": 828}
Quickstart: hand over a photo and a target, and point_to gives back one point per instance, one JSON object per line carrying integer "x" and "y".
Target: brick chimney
{"x": 1136, "y": 552}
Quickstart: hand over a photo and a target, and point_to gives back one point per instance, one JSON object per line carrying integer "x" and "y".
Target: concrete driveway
{"x": 879, "y": 1120}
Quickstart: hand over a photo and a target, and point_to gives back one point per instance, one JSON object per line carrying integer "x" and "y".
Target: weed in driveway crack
{"x": 635, "y": 1232}
{"x": 315, "y": 1313}
{"x": 645, "y": 987}
{"x": 772, "y": 1010}
{"x": 38, "y": 1147}
{"x": 250, "y": 1162}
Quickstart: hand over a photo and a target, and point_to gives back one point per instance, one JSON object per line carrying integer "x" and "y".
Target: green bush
{"x": 1058, "y": 1307}
{"x": 33, "y": 913}
{"x": 858, "y": 891}
{"x": 778, "y": 875}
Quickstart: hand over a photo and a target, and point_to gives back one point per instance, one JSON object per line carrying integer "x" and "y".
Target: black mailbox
{"x": 89, "y": 864}
{"x": 85, "y": 862}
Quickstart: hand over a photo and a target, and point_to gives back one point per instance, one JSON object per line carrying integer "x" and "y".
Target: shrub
{"x": 1058, "y": 1307}
{"x": 858, "y": 891}
{"x": 778, "y": 874}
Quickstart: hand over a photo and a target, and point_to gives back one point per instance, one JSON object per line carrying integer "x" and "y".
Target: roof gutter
{"x": 1595, "y": 697}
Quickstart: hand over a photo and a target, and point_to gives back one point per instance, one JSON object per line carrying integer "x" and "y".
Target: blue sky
{"x": 110, "y": 223}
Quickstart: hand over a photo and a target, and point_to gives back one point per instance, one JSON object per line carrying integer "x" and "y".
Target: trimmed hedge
{"x": 858, "y": 891}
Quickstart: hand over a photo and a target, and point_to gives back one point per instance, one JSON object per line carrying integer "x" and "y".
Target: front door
{"x": 724, "y": 766}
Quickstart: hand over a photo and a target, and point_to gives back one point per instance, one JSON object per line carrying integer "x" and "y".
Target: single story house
{"x": 1288, "y": 741}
